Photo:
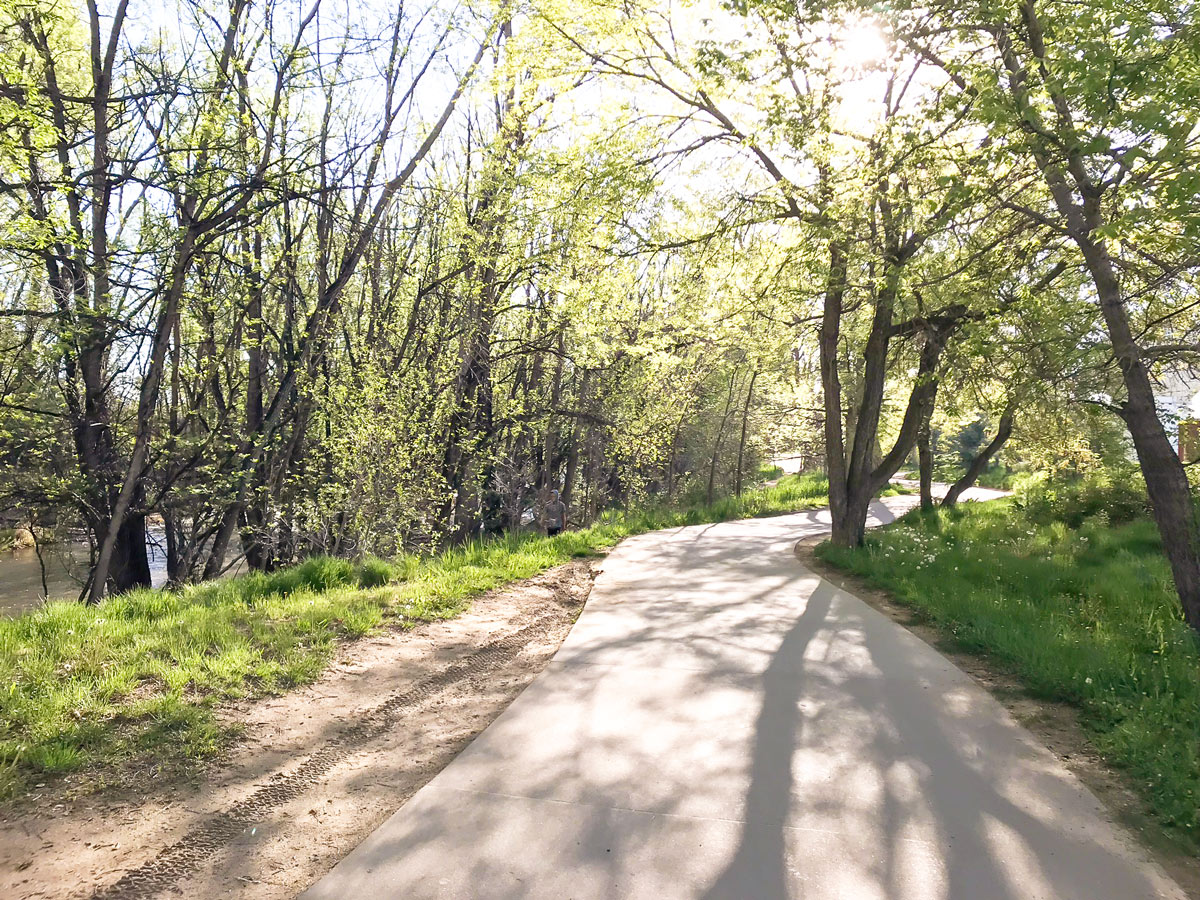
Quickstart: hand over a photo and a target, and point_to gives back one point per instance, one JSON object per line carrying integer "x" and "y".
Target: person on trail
{"x": 554, "y": 515}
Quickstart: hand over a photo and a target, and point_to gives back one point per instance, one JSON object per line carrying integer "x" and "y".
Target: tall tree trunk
{"x": 577, "y": 434}
{"x": 1166, "y": 479}
{"x": 742, "y": 443}
{"x": 215, "y": 564}
{"x": 673, "y": 461}
{"x": 118, "y": 542}
{"x": 925, "y": 467}
{"x": 851, "y": 530}
{"x": 551, "y": 448}
{"x": 863, "y": 486}
{"x": 712, "y": 466}
{"x": 471, "y": 437}
{"x": 831, "y": 388}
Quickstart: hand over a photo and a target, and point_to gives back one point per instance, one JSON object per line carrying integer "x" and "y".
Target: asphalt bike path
{"x": 721, "y": 723}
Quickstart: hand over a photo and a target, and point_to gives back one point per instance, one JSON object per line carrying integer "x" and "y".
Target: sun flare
{"x": 860, "y": 45}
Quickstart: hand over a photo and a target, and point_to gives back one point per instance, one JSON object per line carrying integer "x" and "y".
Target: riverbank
{"x": 138, "y": 680}
{"x": 58, "y": 567}
{"x": 15, "y": 539}
{"x": 311, "y": 772}
{"x": 1074, "y": 601}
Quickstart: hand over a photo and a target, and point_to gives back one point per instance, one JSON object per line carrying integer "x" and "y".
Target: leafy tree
{"x": 1095, "y": 108}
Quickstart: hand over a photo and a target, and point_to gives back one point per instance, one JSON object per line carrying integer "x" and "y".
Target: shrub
{"x": 1117, "y": 498}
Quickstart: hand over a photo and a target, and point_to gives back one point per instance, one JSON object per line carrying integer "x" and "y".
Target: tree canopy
{"x": 277, "y": 279}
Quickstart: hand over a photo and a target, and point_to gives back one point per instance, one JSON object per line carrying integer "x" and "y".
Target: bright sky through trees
{"x": 451, "y": 255}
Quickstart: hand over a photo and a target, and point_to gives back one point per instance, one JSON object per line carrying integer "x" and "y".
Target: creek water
{"x": 66, "y": 569}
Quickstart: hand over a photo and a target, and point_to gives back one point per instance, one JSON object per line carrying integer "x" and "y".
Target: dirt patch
{"x": 316, "y": 770}
{"x": 1056, "y": 725}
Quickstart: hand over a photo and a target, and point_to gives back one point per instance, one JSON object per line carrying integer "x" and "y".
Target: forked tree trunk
{"x": 861, "y": 481}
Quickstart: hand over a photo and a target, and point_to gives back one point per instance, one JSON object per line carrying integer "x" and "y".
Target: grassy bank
{"x": 1070, "y": 592}
{"x": 140, "y": 675}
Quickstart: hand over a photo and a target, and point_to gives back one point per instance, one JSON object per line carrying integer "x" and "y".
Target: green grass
{"x": 141, "y": 674}
{"x": 997, "y": 475}
{"x": 1083, "y": 612}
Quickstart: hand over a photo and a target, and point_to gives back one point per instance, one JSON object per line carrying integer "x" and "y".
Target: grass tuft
{"x": 374, "y": 572}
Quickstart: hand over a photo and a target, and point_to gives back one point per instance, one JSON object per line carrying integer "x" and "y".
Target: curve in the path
{"x": 723, "y": 724}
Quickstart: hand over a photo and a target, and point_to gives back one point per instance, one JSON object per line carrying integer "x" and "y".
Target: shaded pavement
{"x": 721, "y": 723}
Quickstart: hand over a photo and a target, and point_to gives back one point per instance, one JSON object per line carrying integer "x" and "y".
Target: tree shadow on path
{"x": 758, "y": 868}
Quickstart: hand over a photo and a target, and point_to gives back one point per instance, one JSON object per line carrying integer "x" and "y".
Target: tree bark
{"x": 673, "y": 456}
{"x": 861, "y": 488}
{"x": 712, "y": 466}
{"x": 577, "y": 435}
{"x": 981, "y": 460}
{"x": 831, "y": 388}
{"x": 742, "y": 443}
{"x": 1166, "y": 479}
{"x": 925, "y": 466}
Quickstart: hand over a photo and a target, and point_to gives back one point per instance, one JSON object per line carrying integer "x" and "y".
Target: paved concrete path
{"x": 721, "y": 723}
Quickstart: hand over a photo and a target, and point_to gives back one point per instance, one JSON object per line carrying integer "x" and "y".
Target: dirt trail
{"x": 319, "y": 768}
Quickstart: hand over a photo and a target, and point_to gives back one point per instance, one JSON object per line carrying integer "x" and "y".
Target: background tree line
{"x": 998, "y": 199}
{"x": 294, "y": 283}
{"x": 297, "y": 283}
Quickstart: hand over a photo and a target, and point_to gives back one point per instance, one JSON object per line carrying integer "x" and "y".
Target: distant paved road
{"x": 721, "y": 723}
